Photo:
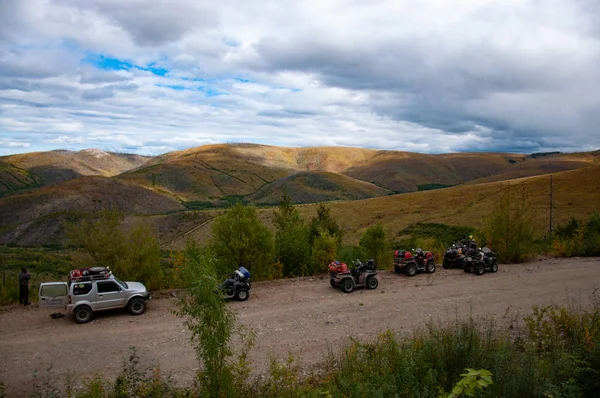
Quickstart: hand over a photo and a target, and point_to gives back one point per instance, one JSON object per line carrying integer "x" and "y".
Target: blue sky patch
{"x": 106, "y": 63}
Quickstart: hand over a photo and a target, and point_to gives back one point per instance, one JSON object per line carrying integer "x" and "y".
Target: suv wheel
{"x": 83, "y": 314}
{"x": 136, "y": 306}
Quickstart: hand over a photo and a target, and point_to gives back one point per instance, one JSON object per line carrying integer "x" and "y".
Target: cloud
{"x": 430, "y": 76}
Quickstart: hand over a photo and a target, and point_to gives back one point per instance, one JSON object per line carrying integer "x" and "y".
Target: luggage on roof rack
{"x": 88, "y": 274}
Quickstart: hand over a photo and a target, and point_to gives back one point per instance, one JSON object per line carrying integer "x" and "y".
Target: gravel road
{"x": 303, "y": 316}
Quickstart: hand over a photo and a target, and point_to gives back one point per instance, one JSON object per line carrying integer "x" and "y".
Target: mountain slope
{"x": 318, "y": 186}
{"x": 37, "y": 217}
{"x": 48, "y": 168}
{"x": 13, "y": 179}
{"x": 576, "y": 194}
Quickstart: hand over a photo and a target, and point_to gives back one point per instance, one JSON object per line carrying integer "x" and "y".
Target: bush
{"x": 375, "y": 245}
{"x": 292, "y": 246}
{"x": 578, "y": 237}
{"x": 131, "y": 253}
{"x": 324, "y": 251}
{"x": 239, "y": 239}
{"x": 510, "y": 229}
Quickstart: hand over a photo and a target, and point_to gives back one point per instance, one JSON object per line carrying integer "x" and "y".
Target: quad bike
{"x": 484, "y": 260}
{"x": 349, "y": 279}
{"x": 405, "y": 262}
{"x": 237, "y": 286}
{"x": 454, "y": 257}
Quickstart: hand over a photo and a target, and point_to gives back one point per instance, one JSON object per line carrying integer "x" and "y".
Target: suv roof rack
{"x": 89, "y": 274}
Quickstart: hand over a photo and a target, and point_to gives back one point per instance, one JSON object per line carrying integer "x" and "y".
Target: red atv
{"x": 348, "y": 279}
{"x": 404, "y": 261}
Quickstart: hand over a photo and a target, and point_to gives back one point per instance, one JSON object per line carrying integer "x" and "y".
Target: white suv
{"x": 85, "y": 294}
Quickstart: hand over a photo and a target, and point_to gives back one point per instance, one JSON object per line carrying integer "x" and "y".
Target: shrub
{"x": 292, "y": 247}
{"x": 509, "y": 230}
{"x": 375, "y": 245}
{"x": 212, "y": 324}
{"x": 239, "y": 239}
{"x": 324, "y": 251}
{"x": 131, "y": 253}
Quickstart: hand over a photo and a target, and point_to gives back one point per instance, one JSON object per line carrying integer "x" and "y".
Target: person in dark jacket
{"x": 24, "y": 278}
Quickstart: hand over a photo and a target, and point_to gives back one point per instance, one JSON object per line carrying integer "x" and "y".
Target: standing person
{"x": 24, "y": 278}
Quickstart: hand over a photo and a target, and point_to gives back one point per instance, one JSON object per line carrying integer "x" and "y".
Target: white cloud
{"x": 429, "y": 76}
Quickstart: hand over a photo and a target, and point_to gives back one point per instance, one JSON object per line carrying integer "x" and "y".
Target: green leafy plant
{"x": 471, "y": 382}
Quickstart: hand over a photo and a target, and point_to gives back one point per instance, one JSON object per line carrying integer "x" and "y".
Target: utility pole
{"x": 551, "y": 203}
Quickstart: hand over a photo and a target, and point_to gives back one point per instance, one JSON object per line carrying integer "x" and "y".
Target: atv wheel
{"x": 479, "y": 269}
{"x": 372, "y": 283}
{"x": 494, "y": 267}
{"x": 446, "y": 264}
{"x": 83, "y": 314}
{"x": 242, "y": 295}
{"x": 430, "y": 267}
{"x": 411, "y": 270}
{"x": 467, "y": 268}
{"x": 136, "y": 306}
{"x": 348, "y": 286}
{"x": 397, "y": 270}
{"x": 462, "y": 263}
{"x": 332, "y": 283}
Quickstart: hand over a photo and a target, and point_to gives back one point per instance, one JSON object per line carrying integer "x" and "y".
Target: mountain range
{"x": 41, "y": 190}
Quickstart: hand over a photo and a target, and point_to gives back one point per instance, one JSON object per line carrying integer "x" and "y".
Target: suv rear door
{"x": 109, "y": 295}
{"x": 54, "y": 295}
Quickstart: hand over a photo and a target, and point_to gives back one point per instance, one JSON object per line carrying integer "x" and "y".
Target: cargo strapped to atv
{"x": 89, "y": 274}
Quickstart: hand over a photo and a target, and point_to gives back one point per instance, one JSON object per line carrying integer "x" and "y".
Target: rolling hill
{"x": 47, "y": 168}
{"x": 213, "y": 173}
{"x": 36, "y": 217}
{"x": 576, "y": 194}
{"x": 318, "y": 186}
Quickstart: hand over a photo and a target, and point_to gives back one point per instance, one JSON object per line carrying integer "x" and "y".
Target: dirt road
{"x": 304, "y": 317}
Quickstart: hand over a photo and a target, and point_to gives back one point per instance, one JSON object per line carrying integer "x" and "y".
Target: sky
{"x": 429, "y": 76}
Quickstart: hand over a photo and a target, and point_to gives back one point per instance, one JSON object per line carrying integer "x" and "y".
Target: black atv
{"x": 236, "y": 287}
{"x": 361, "y": 275}
{"x": 454, "y": 257}
{"x": 481, "y": 261}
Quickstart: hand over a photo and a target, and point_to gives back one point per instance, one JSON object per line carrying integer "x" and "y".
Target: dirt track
{"x": 304, "y": 317}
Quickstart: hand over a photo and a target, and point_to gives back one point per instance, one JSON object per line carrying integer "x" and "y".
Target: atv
{"x": 349, "y": 279}
{"x": 237, "y": 286}
{"x": 483, "y": 260}
{"x": 454, "y": 257}
{"x": 405, "y": 262}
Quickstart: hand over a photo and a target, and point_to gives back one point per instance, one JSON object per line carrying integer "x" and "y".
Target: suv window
{"x": 80, "y": 289}
{"x": 107, "y": 287}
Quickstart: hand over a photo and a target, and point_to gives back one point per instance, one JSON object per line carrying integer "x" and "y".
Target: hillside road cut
{"x": 305, "y": 317}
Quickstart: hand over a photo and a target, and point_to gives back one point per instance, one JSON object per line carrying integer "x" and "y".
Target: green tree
{"x": 291, "y": 238}
{"x": 324, "y": 222}
{"x": 375, "y": 245}
{"x": 131, "y": 253}
{"x": 510, "y": 229}
{"x": 239, "y": 239}
{"x": 213, "y": 324}
{"x": 324, "y": 250}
